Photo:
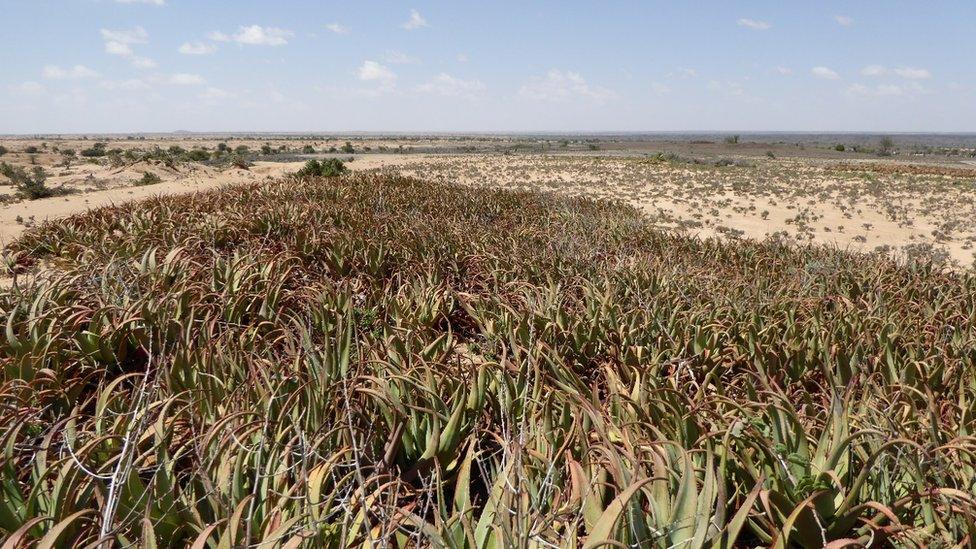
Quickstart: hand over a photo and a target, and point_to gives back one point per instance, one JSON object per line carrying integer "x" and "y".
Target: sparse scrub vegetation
{"x": 378, "y": 360}
{"x": 327, "y": 168}
{"x": 30, "y": 185}
{"x": 197, "y": 155}
{"x": 148, "y": 178}
{"x": 95, "y": 151}
{"x": 240, "y": 162}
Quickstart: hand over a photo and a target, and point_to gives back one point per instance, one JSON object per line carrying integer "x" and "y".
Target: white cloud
{"x": 659, "y": 88}
{"x": 559, "y": 86}
{"x": 416, "y": 21}
{"x": 197, "y": 48}
{"x": 880, "y": 91}
{"x": 448, "y": 86}
{"x": 844, "y": 20}
{"x": 753, "y": 24}
{"x": 153, "y": 2}
{"x": 337, "y": 28}
{"x": 462, "y": 58}
{"x": 135, "y": 35}
{"x": 887, "y": 90}
{"x": 399, "y": 58}
{"x": 132, "y": 84}
{"x": 730, "y": 88}
{"x": 54, "y": 72}
{"x": 686, "y": 72}
{"x": 785, "y": 71}
{"x": 254, "y": 35}
{"x": 27, "y": 88}
{"x": 119, "y": 42}
{"x": 214, "y": 94}
{"x": 383, "y": 79}
{"x": 142, "y": 62}
{"x": 911, "y": 73}
{"x": 371, "y": 71}
{"x": 118, "y": 48}
{"x": 185, "y": 79}
{"x": 874, "y": 70}
{"x": 825, "y": 73}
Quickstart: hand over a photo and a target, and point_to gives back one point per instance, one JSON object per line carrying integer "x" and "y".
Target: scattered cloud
{"x": 337, "y": 28}
{"x": 461, "y": 58}
{"x": 874, "y": 70}
{"x": 185, "y": 79}
{"x": 910, "y": 73}
{"x": 214, "y": 94}
{"x": 844, "y": 20}
{"x": 446, "y": 85}
{"x": 415, "y": 22}
{"x": 197, "y": 48}
{"x": 54, "y": 72}
{"x": 132, "y": 84}
{"x": 729, "y": 88}
{"x": 399, "y": 58}
{"x": 825, "y": 73}
{"x": 119, "y": 42}
{"x": 558, "y": 85}
{"x": 685, "y": 72}
{"x": 785, "y": 71}
{"x": 659, "y": 88}
{"x": 753, "y": 24}
{"x": 913, "y": 73}
{"x": 254, "y": 35}
{"x": 142, "y": 62}
{"x": 27, "y": 88}
{"x": 371, "y": 71}
{"x": 135, "y": 35}
{"x": 908, "y": 89}
{"x": 118, "y": 48}
{"x": 153, "y": 2}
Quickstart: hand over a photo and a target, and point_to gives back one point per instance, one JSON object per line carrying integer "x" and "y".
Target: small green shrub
{"x": 30, "y": 185}
{"x": 31, "y": 150}
{"x": 840, "y": 147}
{"x": 332, "y": 167}
{"x": 348, "y": 148}
{"x": 198, "y": 155}
{"x": 148, "y": 178}
{"x": 886, "y": 147}
{"x": 3, "y": 150}
{"x": 308, "y": 149}
{"x": 96, "y": 150}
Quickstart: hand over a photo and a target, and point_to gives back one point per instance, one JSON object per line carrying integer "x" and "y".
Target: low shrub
{"x": 148, "y": 178}
{"x": 332, "y": 167}
{"x": 30, "y": 185}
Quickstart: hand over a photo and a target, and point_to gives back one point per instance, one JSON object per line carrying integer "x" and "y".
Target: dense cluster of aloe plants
{"x": 380, "y": 361}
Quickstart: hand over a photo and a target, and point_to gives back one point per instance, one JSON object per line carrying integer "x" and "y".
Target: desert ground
{"x": 917, "y": 200}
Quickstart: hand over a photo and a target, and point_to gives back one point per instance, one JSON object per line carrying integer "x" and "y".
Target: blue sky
{"x": 302, "y": 65}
